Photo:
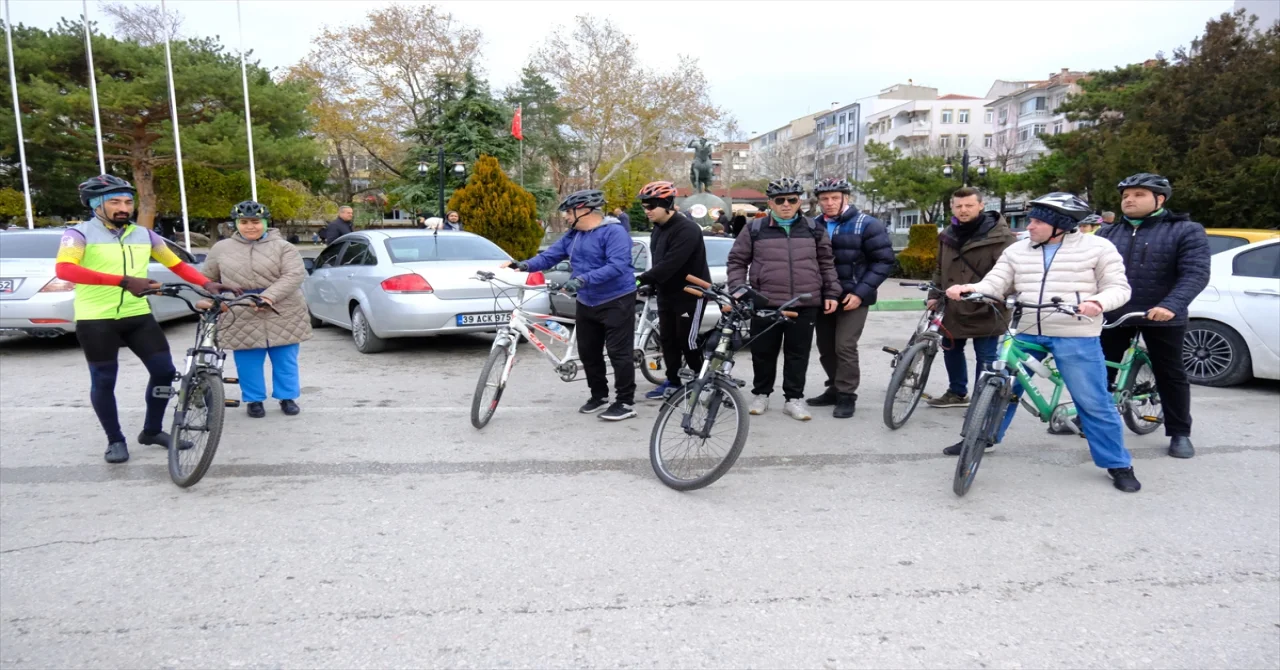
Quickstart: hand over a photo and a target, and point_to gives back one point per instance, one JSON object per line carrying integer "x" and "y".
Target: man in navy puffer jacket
{"x": 1166, "y": 259}
{"x": 599, "y": 250}
{"x": 864, "y": 258}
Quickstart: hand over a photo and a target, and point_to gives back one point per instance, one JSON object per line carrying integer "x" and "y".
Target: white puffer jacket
{"x": 1086, "y": 267}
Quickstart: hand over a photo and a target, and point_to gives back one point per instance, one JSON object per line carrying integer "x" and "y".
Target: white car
{"x": 1234, "y": 332}
{"x": 382, "y": 284}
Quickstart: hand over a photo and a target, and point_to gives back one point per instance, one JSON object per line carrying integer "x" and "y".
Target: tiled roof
{"x": 956, "y": 96}
{"x": 737, "y": 193}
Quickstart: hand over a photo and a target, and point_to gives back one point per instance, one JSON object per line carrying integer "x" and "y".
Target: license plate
{"x": 6, "y": 286}
{"x": 484, "y": 319}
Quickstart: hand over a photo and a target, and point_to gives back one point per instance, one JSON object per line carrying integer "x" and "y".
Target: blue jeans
{"x": 984, "y": 349}
{"x": 285, "y": 384}
{"x": 1084, "y": 371}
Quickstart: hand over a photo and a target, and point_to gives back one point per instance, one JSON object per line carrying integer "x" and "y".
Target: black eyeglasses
{"x": 649, "y": 205}
{"x": 787, "y": 201}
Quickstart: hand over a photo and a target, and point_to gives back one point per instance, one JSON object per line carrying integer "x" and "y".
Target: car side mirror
{"x": 562, "y": 266}
{"x": 309, "y": 264}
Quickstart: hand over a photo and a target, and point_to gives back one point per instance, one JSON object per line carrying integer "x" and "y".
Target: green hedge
{"x": 920, "y": 257}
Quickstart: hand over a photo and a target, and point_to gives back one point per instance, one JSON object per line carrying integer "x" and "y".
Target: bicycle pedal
{"x": 890, "y": 350}
{"x": 231, "y": 403}
{"x": 165, "y": 392}
{"x": 1153, "y": 419}
{"x": 231, "y": 380}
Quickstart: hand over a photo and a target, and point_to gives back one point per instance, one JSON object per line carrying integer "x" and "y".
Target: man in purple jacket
{"x": 599, "y": 251}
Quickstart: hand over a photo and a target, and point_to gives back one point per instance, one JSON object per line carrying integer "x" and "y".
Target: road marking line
{"x": 310, "y": 408}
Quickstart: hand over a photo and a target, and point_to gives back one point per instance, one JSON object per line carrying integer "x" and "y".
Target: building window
{"x": 908, "y": 220}
{"x": 988, "y": 116}
{"x": 1024, "y": 133}
{"x": 986, "y": 141}
{"x": 962, "y": 141}
{"x": 1057, "y": 128}
{"x": 964, "y": 116}
{"x": 946, "y": 115}
{"x": 1036, "y": 104}
{"x": 1004, "y": 115}
{"x": 1039, "y": 129}
{"x": 944, "y": 142}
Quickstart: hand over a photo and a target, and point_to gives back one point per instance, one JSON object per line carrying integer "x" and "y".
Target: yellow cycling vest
{"x": 127, "y": 254}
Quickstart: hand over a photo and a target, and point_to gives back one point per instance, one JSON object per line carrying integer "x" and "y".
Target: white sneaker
{"x": 759, "y": 404}
{"x": 795, "y": 408}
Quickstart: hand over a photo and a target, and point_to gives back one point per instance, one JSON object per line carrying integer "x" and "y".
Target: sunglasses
{"x": 648, "y": 206}
{"x": 786, "y": 201}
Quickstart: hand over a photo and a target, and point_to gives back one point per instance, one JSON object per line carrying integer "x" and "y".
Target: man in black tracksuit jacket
{"x": 1166, "y": 259}
{"x": 677, "y": 250}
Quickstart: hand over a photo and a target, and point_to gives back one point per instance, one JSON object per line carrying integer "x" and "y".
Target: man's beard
{"x": 120, "y": 217}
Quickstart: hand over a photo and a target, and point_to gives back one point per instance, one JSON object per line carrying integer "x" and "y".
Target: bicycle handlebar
{"x": 208, "y": 300}
{"x": 485, "y": 276}
{"x": 1126, "y": 317}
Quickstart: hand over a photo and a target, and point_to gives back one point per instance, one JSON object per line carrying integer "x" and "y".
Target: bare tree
{"x": 145, "y": 24}
{"x": 619, "y": 109}
{"x": 780, "y": 159}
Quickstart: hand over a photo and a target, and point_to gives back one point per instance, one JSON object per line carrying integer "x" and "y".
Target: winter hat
{"x": 1058, "y": 220}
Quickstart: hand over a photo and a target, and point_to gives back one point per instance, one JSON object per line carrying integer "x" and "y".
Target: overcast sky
{"x": 767, "y": 62}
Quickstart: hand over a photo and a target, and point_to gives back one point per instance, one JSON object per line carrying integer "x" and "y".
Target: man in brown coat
{"x": 784, "y": 255}
{"x": 967, "y": 250}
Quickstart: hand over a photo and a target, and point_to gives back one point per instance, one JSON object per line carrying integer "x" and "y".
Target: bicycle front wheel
{"x": 907, "y": 384}
{"x": 1142, "y": 411}
{"x": 687, "y": 462}
{"x": 197, "y": 421}
{"x": 980, "y": 424}
{"x": 649, "y": 358}
{"x": 484, "y": 402}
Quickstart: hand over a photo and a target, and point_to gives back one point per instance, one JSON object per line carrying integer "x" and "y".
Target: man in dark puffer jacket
{"x": 787, "y": 256}
{"x": 1166, "y": 258}
{"x": 864, "y": 258}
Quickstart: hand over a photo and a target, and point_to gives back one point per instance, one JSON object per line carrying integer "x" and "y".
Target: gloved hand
{"x": 573, "y": 285}
{"x": 522, "y": 266}
{"x": 218, "y": 287}
{"x": 138, "y": 285}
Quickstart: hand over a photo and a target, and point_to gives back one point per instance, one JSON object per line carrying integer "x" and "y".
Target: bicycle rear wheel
{"x": 484, "y": 402}
{"x": 907, "y": 384}
{"x": 1142, "y": 411}
{"x": 687, "y": 462}
{"x": 197, "y": 418}
{"x": 649, "y": 358}
{"x": 980, "y": 424}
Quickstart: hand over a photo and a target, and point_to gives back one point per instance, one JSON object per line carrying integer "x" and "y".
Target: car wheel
{"x": 1214, "y": 354}
{"x": 362, "y": 333}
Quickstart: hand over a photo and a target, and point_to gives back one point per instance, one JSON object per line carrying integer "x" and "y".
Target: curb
{"x": 898, "y": 305}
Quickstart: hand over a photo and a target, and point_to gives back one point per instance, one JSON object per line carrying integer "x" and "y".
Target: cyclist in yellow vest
{"x": 107, "y": 257}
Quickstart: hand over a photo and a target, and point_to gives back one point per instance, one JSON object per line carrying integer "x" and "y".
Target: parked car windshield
{"x": 718, "y": 252}
{"x": 26, "y": 245}
{"x": 443, "y": 248}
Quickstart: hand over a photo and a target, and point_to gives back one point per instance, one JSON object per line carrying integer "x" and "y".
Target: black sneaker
{"x": 846, "y": 403}
{"x": 162, "y": 439}
{"x": 954, "y": 450}
{"x": 617, "y": 412}
{"x": 117, "y": 452}
{"x": 1124, "y": 479}
{"x": 1181, "y": 447}
{"x": 593, "y": 405}
{"x": 827, "y": 399}
{"x": 289, "y": 407}
{"x": 255, "y": 410}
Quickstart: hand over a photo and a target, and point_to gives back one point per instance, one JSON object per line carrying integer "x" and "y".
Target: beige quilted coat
{"x": 1086, "y": 267}
{"x": 273, "y": 266}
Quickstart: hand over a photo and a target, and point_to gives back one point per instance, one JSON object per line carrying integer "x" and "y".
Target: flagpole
{"x": 17, "y": 116}
{"x": 93, "y": 90}
{"x": 248, "y": 122}
{"x": 177, "y": 141}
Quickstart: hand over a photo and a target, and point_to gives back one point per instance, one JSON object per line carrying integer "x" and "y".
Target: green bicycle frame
{"x": 1013, "y": 356}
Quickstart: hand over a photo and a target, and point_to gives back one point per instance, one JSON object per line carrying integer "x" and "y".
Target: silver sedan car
{"x": 34, "y": 301}
{"x": 383, "y": 284}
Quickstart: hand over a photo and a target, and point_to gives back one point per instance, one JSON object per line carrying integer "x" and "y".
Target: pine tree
{"x": 494, "y": 207}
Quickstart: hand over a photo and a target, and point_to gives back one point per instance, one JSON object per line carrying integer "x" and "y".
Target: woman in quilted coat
{"x": 258, "y": 260}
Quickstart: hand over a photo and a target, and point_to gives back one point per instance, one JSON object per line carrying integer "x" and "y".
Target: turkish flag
{"x": 517, "y": 129}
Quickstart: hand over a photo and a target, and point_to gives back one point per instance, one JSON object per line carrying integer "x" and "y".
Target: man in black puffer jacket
{"x": 1166, "y": 258}
{"x": 677, "y": 251}
{"x": 864, "y": 258}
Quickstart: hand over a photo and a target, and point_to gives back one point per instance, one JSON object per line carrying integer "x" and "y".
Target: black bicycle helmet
{"x": 784, "y": 186}
{"x": 831, "y": 185}
{"x": 103, "y": 184}
{"x": 1152, "y": 182}
{"x": 250, "y": 210}
{"x": 590, "y": 199}
{"x": 1063, "y": 211}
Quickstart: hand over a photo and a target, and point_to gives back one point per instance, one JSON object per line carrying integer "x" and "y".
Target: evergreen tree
{"x": 496, "y": 208}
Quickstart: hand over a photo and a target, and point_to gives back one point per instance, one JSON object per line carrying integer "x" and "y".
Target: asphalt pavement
{"x": 379, "y": 529}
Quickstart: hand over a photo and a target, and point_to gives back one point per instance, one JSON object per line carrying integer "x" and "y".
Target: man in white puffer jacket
{"x": 1087, "y": 272}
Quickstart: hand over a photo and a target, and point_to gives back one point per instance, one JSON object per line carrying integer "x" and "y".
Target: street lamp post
{"x": 947, "y": 170}
{"x": 458, "y": 168}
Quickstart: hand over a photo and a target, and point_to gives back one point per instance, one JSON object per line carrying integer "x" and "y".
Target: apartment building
{"x": 1024, "y": 115}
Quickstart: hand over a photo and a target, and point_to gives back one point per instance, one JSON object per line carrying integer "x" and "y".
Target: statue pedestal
{"x": 708, "y": 201}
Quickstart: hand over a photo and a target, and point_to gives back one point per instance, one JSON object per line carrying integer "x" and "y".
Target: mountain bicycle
{"x": 648, "y": 343}
{"x": 1133, "y": 391}
{"x": 708, "y": 411}
{"x": 527, "y": 325}
{"x": 911, "y": 365}
{"x": 1016, "y": 362}
{"x": 196, "y": 428}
